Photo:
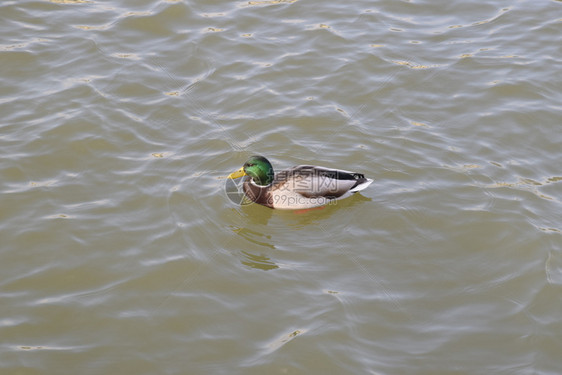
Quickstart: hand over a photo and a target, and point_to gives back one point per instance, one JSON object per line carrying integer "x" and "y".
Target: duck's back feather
{"x": 314, "y": 182}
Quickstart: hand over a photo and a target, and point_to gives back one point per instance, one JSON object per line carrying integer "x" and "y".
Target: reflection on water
{"x": 263, "y": 226}
{"x": 251, "y": 235}
{"x": 260, "y": 261}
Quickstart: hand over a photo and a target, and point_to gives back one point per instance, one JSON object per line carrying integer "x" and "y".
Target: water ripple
{"x": 122, "y": 252}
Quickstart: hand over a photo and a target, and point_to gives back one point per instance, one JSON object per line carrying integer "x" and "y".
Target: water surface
{"x": 121, "y": 252}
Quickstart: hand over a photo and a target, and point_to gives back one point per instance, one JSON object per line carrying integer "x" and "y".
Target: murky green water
{"x": 122, "y": 254}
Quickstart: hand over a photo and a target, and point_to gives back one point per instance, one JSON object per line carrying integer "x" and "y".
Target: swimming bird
{"x": 301, "y": 187}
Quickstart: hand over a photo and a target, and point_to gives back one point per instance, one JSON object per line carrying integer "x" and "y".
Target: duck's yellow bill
{"x": 239, "y": 173}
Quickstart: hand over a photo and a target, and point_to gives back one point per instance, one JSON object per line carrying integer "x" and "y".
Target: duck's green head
{"x": 258, "y": 168}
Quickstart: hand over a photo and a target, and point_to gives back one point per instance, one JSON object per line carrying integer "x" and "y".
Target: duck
{"x": 297, "y": 188}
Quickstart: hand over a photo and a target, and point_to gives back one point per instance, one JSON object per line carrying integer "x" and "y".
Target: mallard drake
{"x": 301, "y": 187}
